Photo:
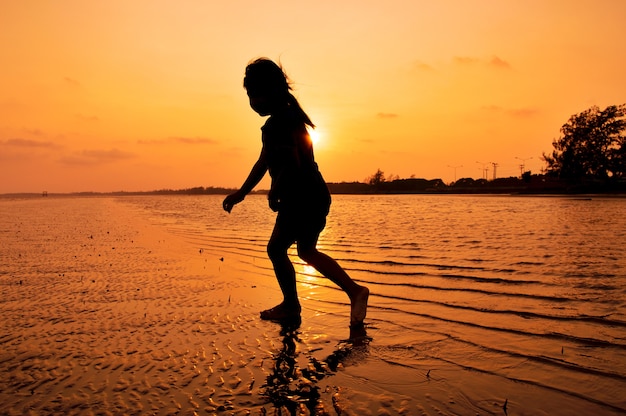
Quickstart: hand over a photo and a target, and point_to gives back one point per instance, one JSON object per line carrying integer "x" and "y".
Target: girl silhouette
{"x": 298, "y": 192}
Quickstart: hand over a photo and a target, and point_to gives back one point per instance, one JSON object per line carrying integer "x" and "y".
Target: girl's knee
{"x": 307, "y": 253}
{"x": 275, "y": 251}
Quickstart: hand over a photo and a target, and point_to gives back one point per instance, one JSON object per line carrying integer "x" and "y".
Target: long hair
{"x": 265, "y": 77}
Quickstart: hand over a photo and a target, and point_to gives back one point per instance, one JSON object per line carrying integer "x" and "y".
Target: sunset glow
{"x": 316, "y": 137}
{"x": 144, "y": 95}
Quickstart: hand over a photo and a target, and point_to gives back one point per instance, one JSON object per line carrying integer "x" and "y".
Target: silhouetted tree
{"x": 591, "y": 145}
{"x": 377, "y": 178}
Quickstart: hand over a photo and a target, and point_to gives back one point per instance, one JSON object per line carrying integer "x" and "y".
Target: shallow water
{"x": 479, "y": 305}
{"x": 523, "y": 289}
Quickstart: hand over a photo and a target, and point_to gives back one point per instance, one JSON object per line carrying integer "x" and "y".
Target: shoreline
{"x": 474, "y": 193}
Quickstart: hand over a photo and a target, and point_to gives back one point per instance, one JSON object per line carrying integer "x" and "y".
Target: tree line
{"x": 589, "y": 156}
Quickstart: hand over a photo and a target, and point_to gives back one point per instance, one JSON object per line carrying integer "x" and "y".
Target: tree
{"x": 377, "y": 178}
{"x": 592, "y": 145}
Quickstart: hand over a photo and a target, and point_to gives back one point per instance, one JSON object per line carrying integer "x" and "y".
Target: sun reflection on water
{"x": 308, "y": 274}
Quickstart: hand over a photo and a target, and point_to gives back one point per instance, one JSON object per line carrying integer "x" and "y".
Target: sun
{"x": 315, "y": 136}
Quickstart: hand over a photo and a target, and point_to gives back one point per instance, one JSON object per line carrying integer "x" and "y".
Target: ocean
{"x": 480, "y": 304}
{"x": 529, "y": 289}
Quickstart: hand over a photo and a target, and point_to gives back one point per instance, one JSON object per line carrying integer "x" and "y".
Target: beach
{"x": 106, "y": 311}
{"x": 105, "y": 314}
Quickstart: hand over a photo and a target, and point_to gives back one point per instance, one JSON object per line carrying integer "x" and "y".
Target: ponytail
{"x": 293, "y": 102}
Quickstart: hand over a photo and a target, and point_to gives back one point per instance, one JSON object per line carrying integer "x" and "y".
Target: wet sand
{"x": 106, "y": 313}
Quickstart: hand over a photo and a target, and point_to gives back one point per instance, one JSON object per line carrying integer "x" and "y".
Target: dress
{"x": 304, "y": 199}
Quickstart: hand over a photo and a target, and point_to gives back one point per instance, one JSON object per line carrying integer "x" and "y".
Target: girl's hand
{"x": 231, "y": 200}
{"x": 273, "y": 201}
{"x": 274, "y": 204}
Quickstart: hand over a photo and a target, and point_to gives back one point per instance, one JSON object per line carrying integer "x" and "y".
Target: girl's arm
{"x": 254, "y": 177}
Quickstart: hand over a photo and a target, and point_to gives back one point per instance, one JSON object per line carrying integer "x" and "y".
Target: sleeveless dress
{"x": 304, "y": 199}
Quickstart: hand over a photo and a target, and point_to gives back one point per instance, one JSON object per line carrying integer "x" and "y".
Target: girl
{"x": 298, "y": 192}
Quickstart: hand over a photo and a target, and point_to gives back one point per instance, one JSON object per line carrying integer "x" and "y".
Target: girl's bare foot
{"x": 358, "y": 306}
{"x": 281, "y": 312}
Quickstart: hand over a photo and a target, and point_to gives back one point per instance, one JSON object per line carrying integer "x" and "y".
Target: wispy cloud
{"x": 493, "y": 62}
{"x": 97, "y": 157}
{"x": 524, "y": 112}
{"x": 113, "y": 154}
{"x": 33, "y": 132}
{"x": 71, "y": 82}
{"x": 193, "y": 140}
{"x": 496, "y": 62}
{"x": 180, "y": 140}
{"x": 27, "y": 143}
{"x": 422, "y": 66}
{"x": 83, "y": 117}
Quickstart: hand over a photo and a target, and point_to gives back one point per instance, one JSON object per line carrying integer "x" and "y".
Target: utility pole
{"x": 495, "y": 166}
{"x": 484, "y": 169}
{"x": 455, "y": 167}
{"x": 522, "y": 166}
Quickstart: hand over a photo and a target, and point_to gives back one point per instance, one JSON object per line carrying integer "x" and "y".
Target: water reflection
{"x": 293, "y": 388}
{"x": 511, "y": 279}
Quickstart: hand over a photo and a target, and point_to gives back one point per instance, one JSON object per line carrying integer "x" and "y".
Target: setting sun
{"x": 315, "y": 136}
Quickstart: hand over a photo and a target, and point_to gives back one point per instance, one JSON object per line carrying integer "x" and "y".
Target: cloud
{"x": 465, "y": 60}
{"x": 423, "y": 66}
{"x": 499, "y": 63}
{"x": 494, "y": 62}
{"x": 12, "y": 104}
{"x": 179, "y": 140}
{"x": 19, "y": 150}
{"x": 83, "y": 117}
{"x": 97, "y": 157}
{"x": 27, "y": 143}
{"x": 525, "y": 112}
{"x": 33, "y": 132}
{"x": 71, "y": 82}
{"x": 387, "y": 116}
{"x": 152, "y": 142}
{"x": 113, "y": 154}
{"x": 193, "y": 140}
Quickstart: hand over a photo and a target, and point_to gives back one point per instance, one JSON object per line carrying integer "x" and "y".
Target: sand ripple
{"x": 104, "y": 313}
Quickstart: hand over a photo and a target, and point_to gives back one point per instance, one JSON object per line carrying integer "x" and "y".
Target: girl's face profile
{"x": 261, "y": 103}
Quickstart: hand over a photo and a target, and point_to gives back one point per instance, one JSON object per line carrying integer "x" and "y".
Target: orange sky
{"x": 146, "y": 94}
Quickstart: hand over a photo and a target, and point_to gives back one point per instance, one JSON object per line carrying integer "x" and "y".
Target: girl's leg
{"x": 279, "y": 243}
{"x": 328, "y": 267}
